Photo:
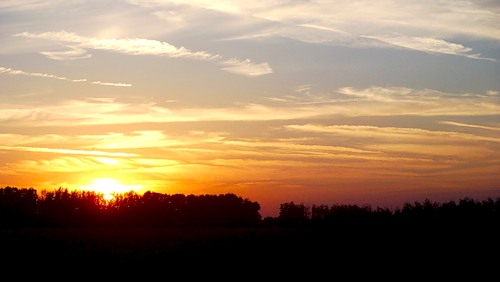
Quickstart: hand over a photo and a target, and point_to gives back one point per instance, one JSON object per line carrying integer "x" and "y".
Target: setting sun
{"x": 109, "y": 186}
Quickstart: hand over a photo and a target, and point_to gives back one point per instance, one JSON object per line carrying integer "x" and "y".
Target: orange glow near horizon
{"x": 109, "y": 186}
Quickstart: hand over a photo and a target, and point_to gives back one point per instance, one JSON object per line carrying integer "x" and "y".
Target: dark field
{"x": 250, "y": 247}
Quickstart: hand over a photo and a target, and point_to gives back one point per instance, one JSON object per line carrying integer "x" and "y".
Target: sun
{"x": 108, "y": 187}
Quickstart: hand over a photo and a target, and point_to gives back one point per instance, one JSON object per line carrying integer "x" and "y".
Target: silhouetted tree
{"x": 60, "y": 207}
{"x": 293, "y": 214}
{"x": 18, "y": 207}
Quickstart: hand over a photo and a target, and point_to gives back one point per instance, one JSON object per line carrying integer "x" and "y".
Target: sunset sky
{"x": 317, "y": 102}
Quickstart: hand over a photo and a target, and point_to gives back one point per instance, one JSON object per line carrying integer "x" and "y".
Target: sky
{"x": 316, "y": 102}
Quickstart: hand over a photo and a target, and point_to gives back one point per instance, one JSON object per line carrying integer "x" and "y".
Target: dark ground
{"x": 219, "y": 251}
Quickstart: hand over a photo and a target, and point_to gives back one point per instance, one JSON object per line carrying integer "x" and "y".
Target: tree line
{"x": 64, "y": 208}
{"x": 21, "y": 207}
{"x": 466, "y": 213}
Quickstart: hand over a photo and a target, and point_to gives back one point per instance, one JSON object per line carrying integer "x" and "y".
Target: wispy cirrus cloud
{"x": 10, "y": 71}
{"x": 66, "y": 151}
{"x": 140, "y": 46}
{"x": 430, "y": 45}
{"x": 133, "y": 46}
{"x": 442, "y": 148}
{"x": 403, "y": 135}
{"x": 427, "y": 102}
{"x": 246, "y": 67}
{"x": 346, "y": 101}
{"x": 459, "y": 124}
{"x": 29, "y": 4}
{"x": 135, "y": 139}
{"x": 67, "y": 164}
{"x": 74, "y": 53}
{"x": 98, "y": 82}
{"x": 426, "y": 26}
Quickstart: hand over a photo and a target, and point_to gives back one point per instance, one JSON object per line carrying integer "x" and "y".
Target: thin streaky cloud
{"x": 36, "y": 74}
{"x": 112, "y": 84}
{"x": 141, "y": 46}
{"x": 22, "y": 5}
{"x": 135, "y": 139}
{"x": 430, "y": 45}
{"x": 410, "y": 134}
{"x": 347, "y": 101}
{"x": 297, "y": 153}
{"x": 426, "y": 26}
{"x": 246, "y": 67}
{"x": 299, "y": 147}
{"x": 11, "y": 71}
{"x": 469, "y": 125}
{"x": 74, "y": 53}
{"x": 132, "y": 46}
{"x": 66, "y": 151}
{"x": 59, "y": 164}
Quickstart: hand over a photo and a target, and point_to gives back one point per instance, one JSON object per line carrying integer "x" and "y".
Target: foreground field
{"x": 156, "y": 249}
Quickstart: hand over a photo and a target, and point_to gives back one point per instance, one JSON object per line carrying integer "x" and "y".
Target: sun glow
{"x": 109, "y": 186}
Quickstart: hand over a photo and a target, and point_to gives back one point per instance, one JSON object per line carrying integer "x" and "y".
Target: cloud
{"x": 393, "y": 134}
{"x": 426, "y": 102}
{"x": 112, "y": 84}
{"x": 135, "y": 139}
{"x": 66, "y": 151}
{"x": 36, "y": 74}
{"x": 140, "y": 46}
{"x": 132, "y": 46}
{"x": 60, "y": 164}
{"x": 346, "y": 101}
{"x": 29, "y": 4}
{"x": 306, "y": 88}
{"x": 286, "y": 145}
{"x": 470, "y": 125}
{"x": 430, "y": 45}
{"x": 74, "y": 53}
{"x": 444, "y": 149}
{"x": 426, "y": 26}
{"x": 11, "y": 71}
{"x": 246, "y": 67}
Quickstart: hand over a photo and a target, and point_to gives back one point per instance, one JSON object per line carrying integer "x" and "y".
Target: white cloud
{"x": 139, "y": 46}
{"x": 306, "y": 88}
{"x": 427, "y": 25}
{"x": 74, "y": 53}
{"x": 429, "y": 45}
{"x": 133, "y": 46}
{"x": 11, "y": 71}
{"x": 246, "y": 67}
{"x": 470, "y": 125}
{"x": 112, "y": 84}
